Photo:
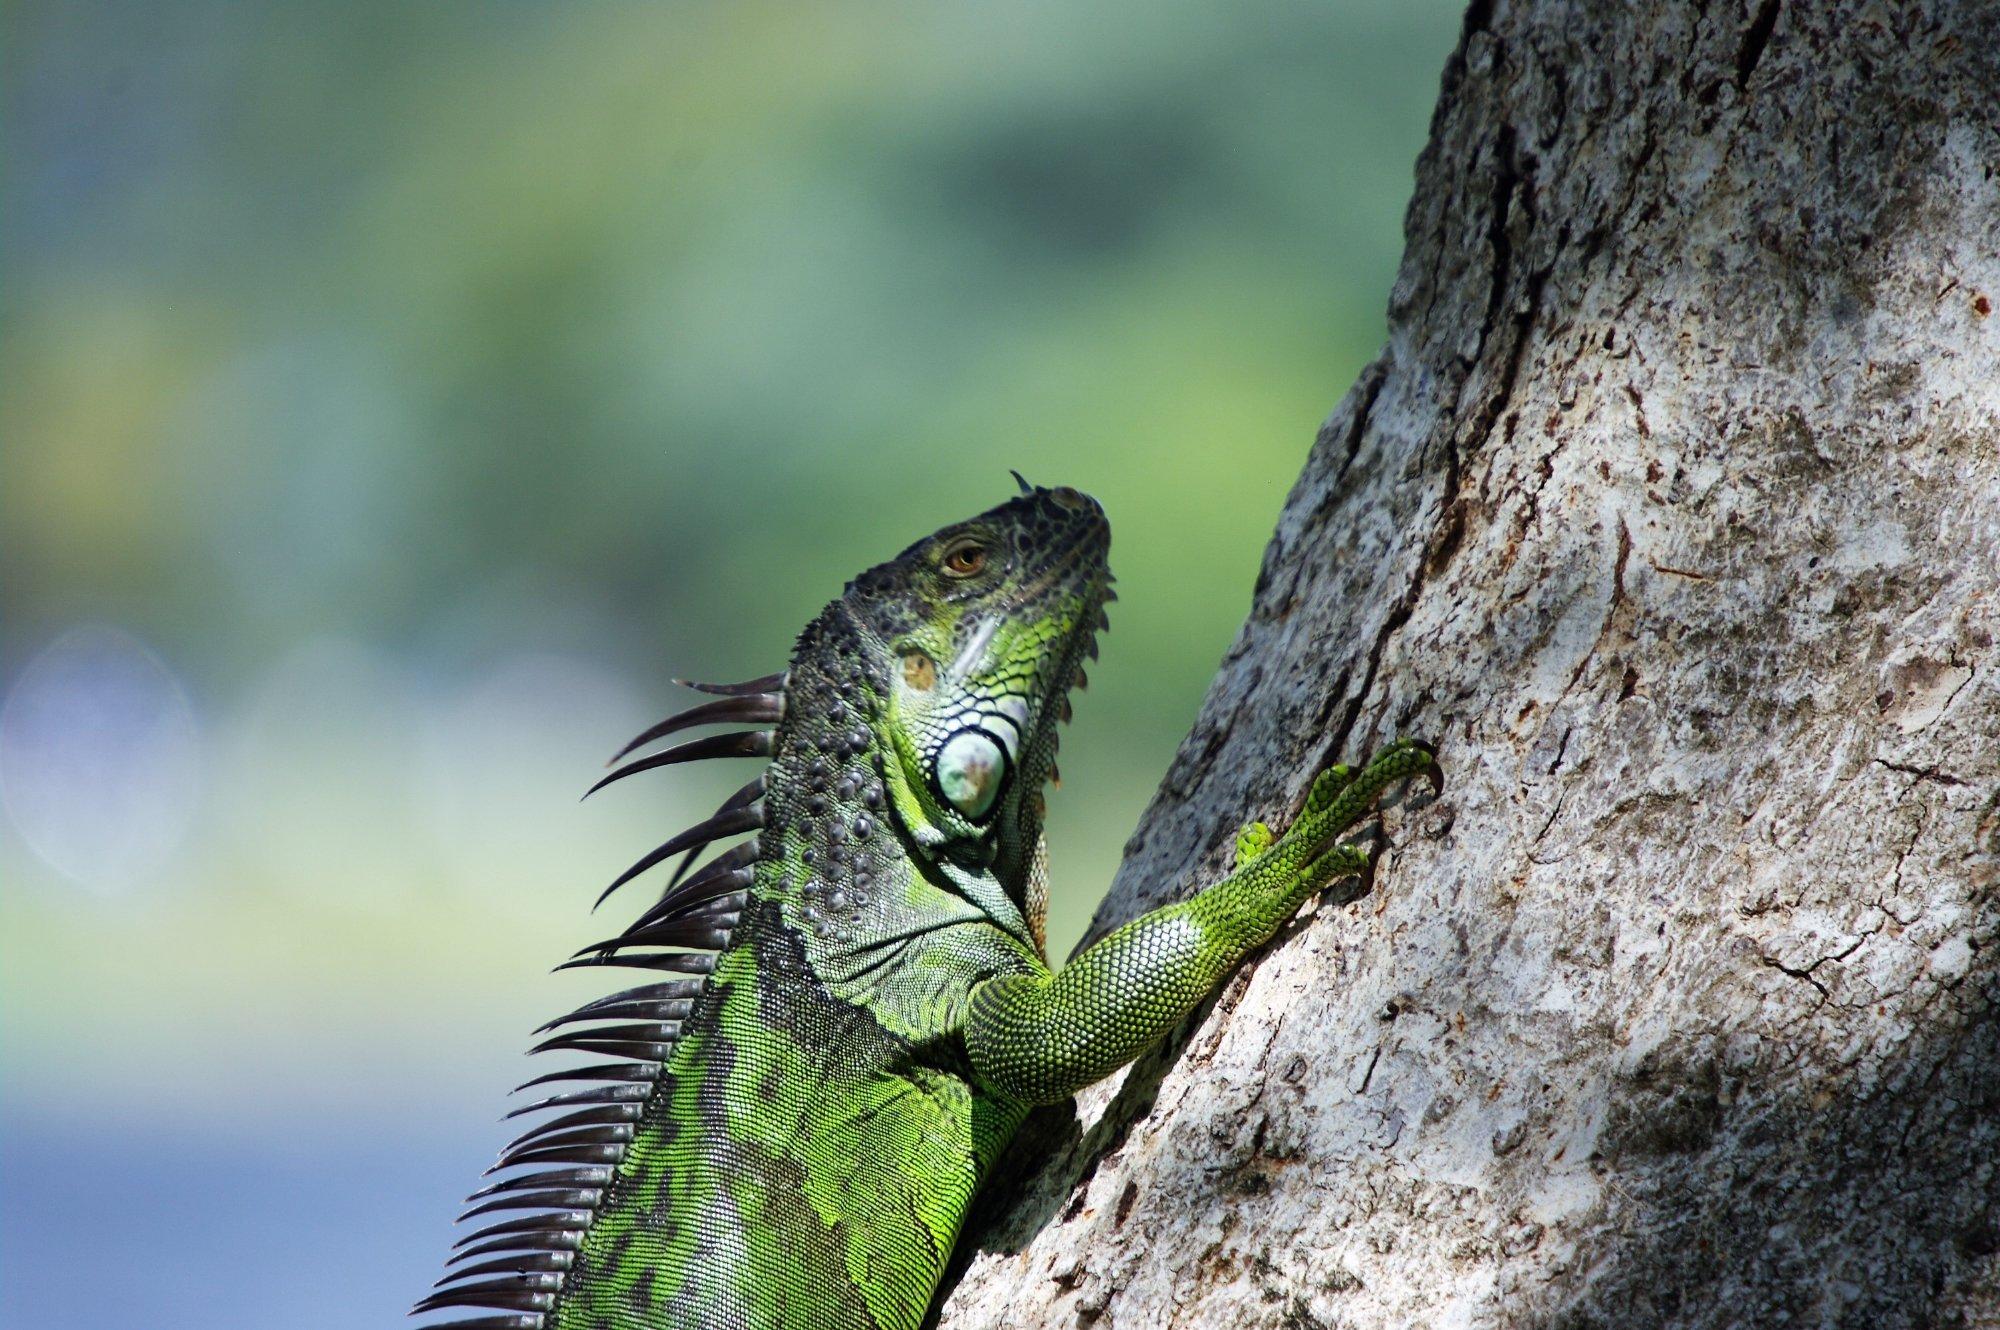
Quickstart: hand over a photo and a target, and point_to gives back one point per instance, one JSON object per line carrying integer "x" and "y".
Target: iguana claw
{"x": 1432, "y": 772}
{"x": 1342, "y": 796}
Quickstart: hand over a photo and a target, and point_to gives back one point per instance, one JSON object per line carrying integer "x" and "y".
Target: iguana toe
{"x": 1252, "y": 841}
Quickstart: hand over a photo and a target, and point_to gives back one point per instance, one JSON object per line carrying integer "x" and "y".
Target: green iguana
{"x": 854, "y": 1011}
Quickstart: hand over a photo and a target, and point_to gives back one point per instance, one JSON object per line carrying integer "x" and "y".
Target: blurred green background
{"x": 397, "y": 396}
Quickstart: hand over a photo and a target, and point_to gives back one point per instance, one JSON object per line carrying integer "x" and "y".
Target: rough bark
{"x": 1671, "y": 513}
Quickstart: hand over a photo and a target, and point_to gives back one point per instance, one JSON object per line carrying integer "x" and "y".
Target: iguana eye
{"x": 919, "y": 671}
{"x": 964, "y": 559}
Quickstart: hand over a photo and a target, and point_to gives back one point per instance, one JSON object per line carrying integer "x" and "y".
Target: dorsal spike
{"x": 659, "y": 1032}
{"x": 609, "y": 1153}
{"x": 665, "y": 991}
{"x": 599, "y": 1071}
{"x": 670, "y": 1009}
{"x": 574, "y": 1221}
{"x": 673, "y": 990}
{"x": 683, "y": 924}
{"x": 769, "y": 683}
{"x": 728, "y": 872}
{"x": 534, "y": 1200}
{"x": 615, "y": 1135}
{"x": 708, "y": 910}
{"x": 561, "y": 1177}
{"x": 588, "y": 1117}
{"x": 747, "y": 743}
{"x": 528, "y": 1292}
{"x": 511, "y": 1321}
{"x": 751, "y": 791}
{"x": 747, "y": 709}
{"x": 538, "y": 1240}
{"x": 733, "y": 822}
{"x": 685, "y": 962}
{"x": 639, "y": 1050}
{"x": 526, "y": 1263}
{"x": 708, "y": 933}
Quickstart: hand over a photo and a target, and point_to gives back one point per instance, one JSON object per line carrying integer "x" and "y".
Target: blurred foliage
{"x": 427, "y": 384}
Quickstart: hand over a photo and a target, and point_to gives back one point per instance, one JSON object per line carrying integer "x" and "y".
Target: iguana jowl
{"x": 854, "y": 1012}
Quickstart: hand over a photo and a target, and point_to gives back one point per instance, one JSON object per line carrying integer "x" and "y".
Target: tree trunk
{"x": 1671, "y": 514}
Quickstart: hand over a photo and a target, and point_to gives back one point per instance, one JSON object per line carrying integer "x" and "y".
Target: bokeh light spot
{"x": 99, "y": 759}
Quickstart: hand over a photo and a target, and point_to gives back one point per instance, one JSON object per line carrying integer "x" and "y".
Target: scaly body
{"x": 854, "y": 1011}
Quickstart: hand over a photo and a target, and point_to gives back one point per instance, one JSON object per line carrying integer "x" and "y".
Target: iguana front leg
{"x": 1040, "y": 1038}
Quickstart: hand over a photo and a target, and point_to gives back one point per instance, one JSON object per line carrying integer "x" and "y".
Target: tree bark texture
{"x": 1671, "y": 514}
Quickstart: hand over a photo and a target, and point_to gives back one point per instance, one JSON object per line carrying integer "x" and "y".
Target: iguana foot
{"x": 1341, "y": 797}
{"x": 1255, "y": 840}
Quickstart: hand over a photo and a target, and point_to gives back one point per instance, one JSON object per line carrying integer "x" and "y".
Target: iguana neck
{"x": 848, "y": 859}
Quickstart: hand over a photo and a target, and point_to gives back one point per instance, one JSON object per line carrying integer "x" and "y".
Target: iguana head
{"x": 985, "y": 625}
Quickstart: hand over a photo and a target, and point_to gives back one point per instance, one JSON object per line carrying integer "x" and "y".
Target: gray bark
{"x": 1671, "y": 513}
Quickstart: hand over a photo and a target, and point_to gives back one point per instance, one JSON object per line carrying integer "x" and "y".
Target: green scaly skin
{"x": 881, "y": 1017}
